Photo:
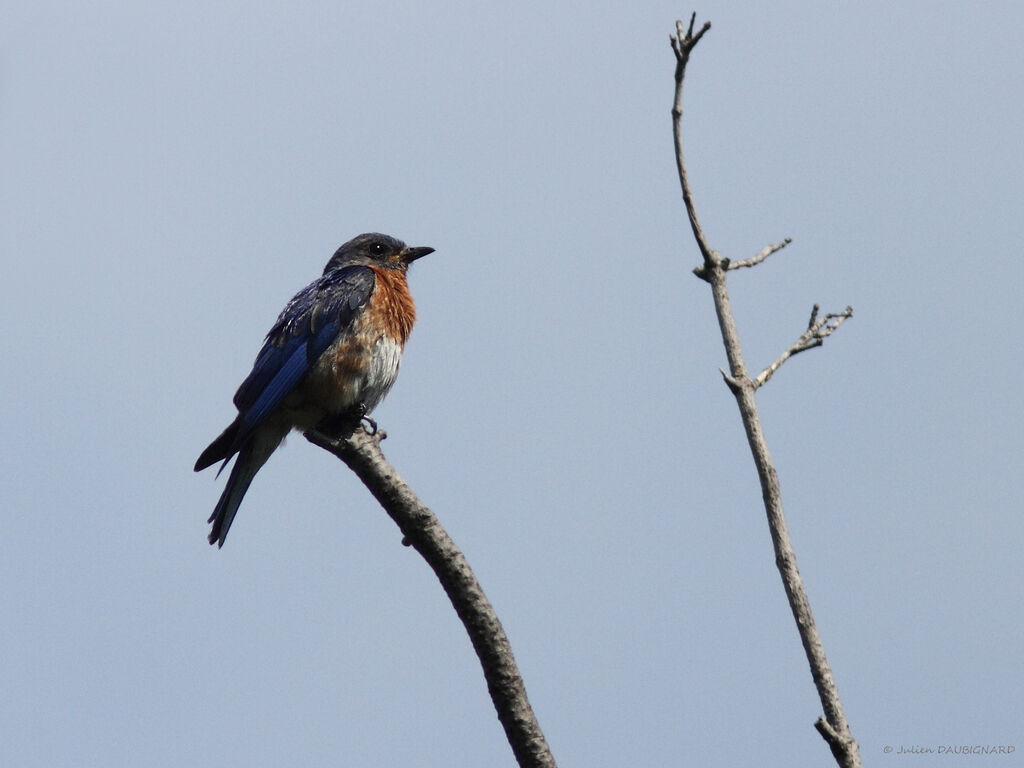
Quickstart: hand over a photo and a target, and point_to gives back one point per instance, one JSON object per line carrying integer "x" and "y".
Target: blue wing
{"x": 306, "y": 328}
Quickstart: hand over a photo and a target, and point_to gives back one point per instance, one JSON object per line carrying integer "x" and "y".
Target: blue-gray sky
{"x": 174, "y": 172}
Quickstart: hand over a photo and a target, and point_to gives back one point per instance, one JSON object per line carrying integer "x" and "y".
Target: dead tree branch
{"x": 763, "y": 254}
{"x": 682, "y": 44}
{"x": 423, "y": 531}
{"x": 834, "y": 727}
{"x": 818, "y": 329}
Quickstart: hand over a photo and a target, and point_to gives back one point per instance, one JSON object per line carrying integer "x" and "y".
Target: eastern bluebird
{"x": 330, "y": 358}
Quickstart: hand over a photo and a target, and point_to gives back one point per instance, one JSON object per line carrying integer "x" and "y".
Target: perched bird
{"x": 330, "y": 358}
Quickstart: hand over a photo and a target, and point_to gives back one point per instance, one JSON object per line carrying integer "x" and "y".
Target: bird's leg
{"x": 371, "y": 425}
{"x": 344, "y": 423}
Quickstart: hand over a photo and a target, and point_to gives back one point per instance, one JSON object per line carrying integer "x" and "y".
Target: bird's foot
{"x": 341, "y": 425}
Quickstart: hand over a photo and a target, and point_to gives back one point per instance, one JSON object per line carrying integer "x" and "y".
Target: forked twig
{"x": 818, "y": 329}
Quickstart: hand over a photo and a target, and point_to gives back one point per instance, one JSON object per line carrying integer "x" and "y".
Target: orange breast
{"x": 391, "y": 307}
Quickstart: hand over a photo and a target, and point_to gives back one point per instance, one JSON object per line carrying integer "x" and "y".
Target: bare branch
{"x": 818, "y": 329}
{"x": 682, "y": 44}
{"x": 423, "y": 531}
{"x": 834, "y": 726}
{"x": 763, "y": 254}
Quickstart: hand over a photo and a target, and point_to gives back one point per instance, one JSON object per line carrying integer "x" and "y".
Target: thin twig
{"x": 763, "y": 254}
{"x": 682, "y": 44}
{"x": 423, "y": 531}
{"x": 818, "y": 329}
{"x": 835, "y": 728}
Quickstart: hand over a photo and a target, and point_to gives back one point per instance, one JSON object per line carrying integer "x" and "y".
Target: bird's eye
{"x": 377, "y": 249}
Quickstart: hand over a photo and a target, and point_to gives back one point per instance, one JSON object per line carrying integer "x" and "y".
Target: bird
{"x": 327, "y": 362}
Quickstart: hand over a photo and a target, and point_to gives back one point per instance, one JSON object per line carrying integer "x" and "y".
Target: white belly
{"x": 383, "y": 371}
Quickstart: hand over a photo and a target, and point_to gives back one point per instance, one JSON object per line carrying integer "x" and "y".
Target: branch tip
{"x": 761, "y": 255}
{"x": 814, "y": 316}
{"x": 683, "y": 42}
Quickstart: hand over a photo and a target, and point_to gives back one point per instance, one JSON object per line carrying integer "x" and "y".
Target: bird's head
{"x": 374, "y": 249}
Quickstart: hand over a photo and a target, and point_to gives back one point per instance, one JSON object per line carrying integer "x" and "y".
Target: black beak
{"x": 410, "y": 255}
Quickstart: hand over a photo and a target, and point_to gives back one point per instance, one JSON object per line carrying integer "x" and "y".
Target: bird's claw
{"x": 343, "y": 424}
